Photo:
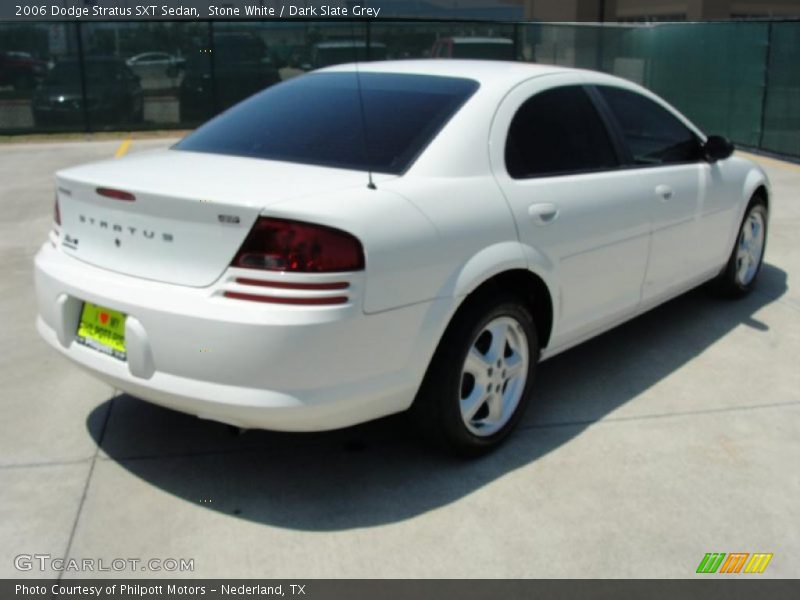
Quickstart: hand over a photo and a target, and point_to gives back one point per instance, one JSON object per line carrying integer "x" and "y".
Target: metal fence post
{"x": 368, "y": 34}
{"x": 212, "y": 66}
{"x": 601, "y": 48}
{"x": 767, "y": 59}
{"x": 87, "y": 127}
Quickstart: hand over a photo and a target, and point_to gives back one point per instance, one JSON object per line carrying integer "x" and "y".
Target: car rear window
{"x": 317, "y": 119}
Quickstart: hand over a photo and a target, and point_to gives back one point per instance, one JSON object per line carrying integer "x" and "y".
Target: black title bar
{"x": 171, "y": 10}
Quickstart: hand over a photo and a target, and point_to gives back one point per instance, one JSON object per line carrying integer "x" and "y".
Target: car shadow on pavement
{"x": 378, "y": 473}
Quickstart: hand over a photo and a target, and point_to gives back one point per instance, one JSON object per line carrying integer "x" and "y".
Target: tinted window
{"x": 317, "y": 119}
{"x": 558, "y": 131}
{"x": 654, "y": 135}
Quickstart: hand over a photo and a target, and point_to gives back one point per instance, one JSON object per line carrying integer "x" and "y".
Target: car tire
{"x": 484, "y": 366}
{"x": 744, "y": 264}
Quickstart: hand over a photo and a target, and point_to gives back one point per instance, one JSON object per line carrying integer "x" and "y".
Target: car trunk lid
{"x": 190, "y": 212}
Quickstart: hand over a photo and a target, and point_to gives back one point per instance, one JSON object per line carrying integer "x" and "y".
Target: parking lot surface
{"x": 672, "y": 436}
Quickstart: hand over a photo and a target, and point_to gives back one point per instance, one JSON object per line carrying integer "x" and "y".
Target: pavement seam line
{"x": 86, "y": 487}
{"x": 687, "y": 413}
{"x": 55, "y": 463}
{"x": 203, "y": 453}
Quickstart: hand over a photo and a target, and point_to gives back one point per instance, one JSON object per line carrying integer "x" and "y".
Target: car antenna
{"x": 370, "y": 183}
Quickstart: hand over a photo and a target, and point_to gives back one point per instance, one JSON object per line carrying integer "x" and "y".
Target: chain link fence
{"x": 739, "y": 79}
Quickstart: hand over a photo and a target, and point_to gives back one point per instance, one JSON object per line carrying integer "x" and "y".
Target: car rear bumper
{"x": 249, "y": 364}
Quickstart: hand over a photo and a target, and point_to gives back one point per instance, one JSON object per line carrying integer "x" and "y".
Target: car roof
{"x": 482, "y": 71}
{"x": 499, "y": 75}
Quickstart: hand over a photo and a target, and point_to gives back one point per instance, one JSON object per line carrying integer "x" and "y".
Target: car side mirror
{"x": 717, "y": 147}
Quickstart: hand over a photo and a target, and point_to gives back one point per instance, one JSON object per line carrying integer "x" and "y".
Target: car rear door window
{"x": 653, "y": 134}
{"x": 558, "y": 131}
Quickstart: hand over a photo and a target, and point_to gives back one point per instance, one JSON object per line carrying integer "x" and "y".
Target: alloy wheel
{"x": 493, "y": 376}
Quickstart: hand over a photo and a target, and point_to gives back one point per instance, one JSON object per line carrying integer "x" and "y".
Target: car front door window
{"x": 653, "y": 134}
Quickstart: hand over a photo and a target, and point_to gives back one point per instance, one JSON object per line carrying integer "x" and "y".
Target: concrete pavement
{"x": 669, "y": 437}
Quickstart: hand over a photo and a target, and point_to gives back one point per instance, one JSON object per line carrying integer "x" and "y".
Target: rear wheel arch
{"x": 515, "y": 268}
{"x": 529, "y": 287}
{"x": 535, "y": 295}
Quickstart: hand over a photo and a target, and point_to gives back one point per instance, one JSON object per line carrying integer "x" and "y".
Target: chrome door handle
{"x": 664, "y": 192}
{"x": 543, "y": 213}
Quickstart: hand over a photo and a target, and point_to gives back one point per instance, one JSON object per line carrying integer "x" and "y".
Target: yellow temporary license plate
{"x": 102, "y": 329}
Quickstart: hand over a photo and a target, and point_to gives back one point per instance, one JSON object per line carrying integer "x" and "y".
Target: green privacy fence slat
{"x": 739, "y": 79}
{"x": 782, "y": 105}
{"x": 715, "y": 73}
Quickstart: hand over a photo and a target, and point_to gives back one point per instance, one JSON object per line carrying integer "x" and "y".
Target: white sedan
{"x": 154, "y": 60}
{"x": 359, "y": 241}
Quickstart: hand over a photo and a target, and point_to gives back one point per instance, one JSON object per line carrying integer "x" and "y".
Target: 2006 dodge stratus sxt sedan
{"x": 363, "y": 240}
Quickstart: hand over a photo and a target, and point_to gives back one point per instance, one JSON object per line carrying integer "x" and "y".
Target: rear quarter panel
{"x": 400, "y": 243}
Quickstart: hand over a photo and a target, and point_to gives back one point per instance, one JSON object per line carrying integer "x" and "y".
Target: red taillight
{"x": 116, "y": 194}
{"x": 280, "y": 245}
{"x": 57, "y": 213}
